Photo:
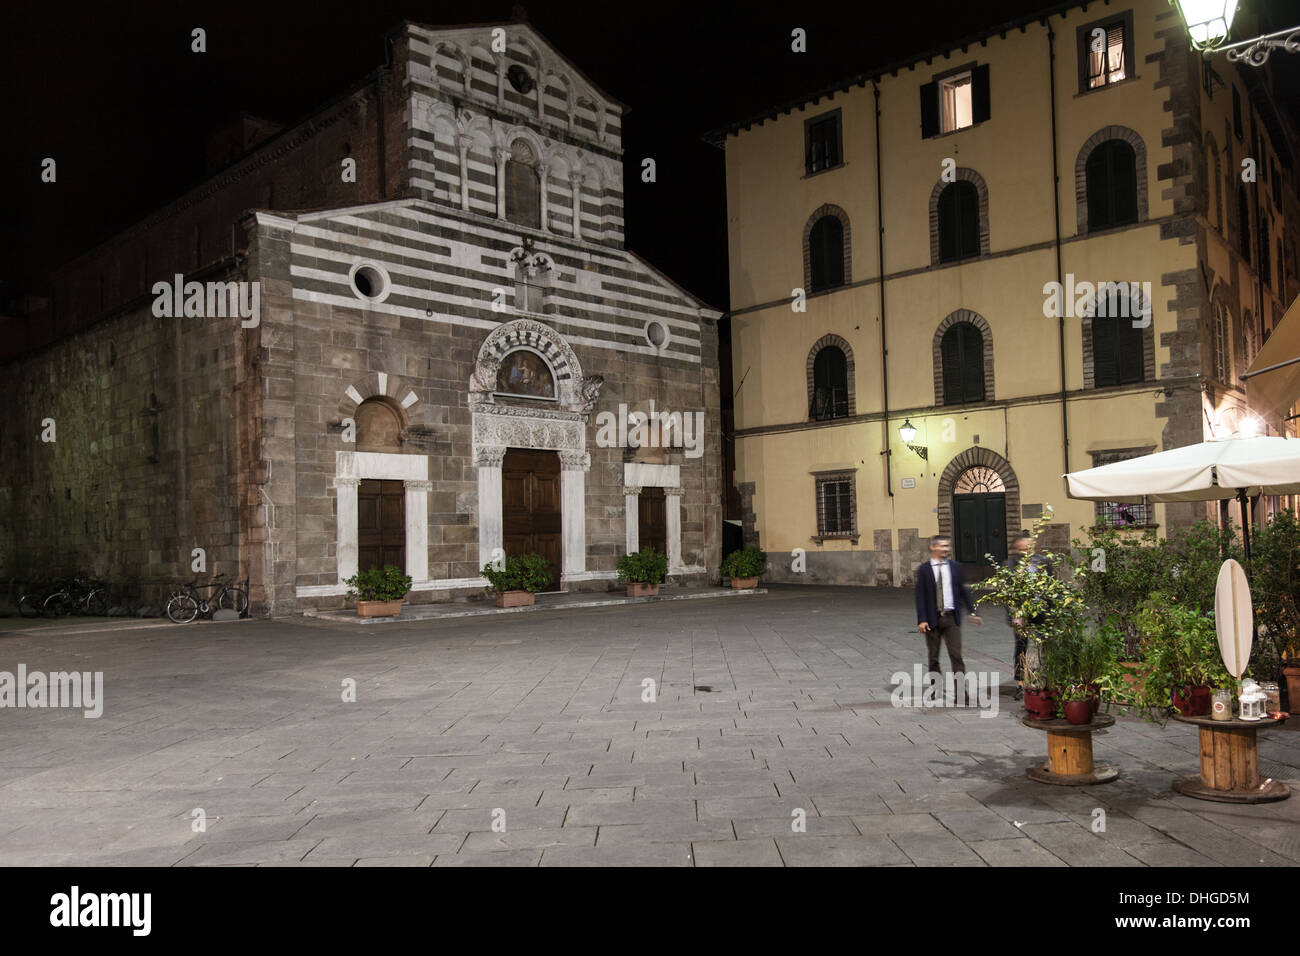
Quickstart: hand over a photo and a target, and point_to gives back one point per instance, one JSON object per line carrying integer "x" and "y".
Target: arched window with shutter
{"x": 830, "y": 384}
{"x": 826, "y": 253}
{"x": 959, "y": 226}
{"x": 1117, "y": 348}
{"x": 1111, "y": 172}
{"x": 963, "y": 364}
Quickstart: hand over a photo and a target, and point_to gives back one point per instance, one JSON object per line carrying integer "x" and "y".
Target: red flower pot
{"x": 1041, "y": 704}
{"x": 1193, "y": 701}
{"x": 1078, "y": 711}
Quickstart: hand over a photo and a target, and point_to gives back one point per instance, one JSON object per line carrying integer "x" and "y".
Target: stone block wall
{"x": 143, "y": 466}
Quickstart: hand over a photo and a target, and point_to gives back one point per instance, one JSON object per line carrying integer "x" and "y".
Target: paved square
{"x": 523, "y": 740}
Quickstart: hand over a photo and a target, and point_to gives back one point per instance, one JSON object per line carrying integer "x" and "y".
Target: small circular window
{"x": 656, "y": 334}
{"x": 370, "y": 282}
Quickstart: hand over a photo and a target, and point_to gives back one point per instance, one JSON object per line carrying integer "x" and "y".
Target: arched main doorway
{"x": 979, "y": 511}
{"x": 978, "y": 507}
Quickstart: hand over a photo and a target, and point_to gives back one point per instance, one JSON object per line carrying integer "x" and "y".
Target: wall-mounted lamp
{"x": 1208, "y": 23}
{"x": 907, "y": 432}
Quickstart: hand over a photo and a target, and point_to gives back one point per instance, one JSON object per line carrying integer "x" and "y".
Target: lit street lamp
{"x": 907, "y": 432}
{"x": 1208, "y": 23}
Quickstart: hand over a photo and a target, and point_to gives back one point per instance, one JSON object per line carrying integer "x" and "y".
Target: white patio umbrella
{"x": 1210, "y": 471}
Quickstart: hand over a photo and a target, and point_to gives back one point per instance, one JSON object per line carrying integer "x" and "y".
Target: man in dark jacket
{"x": 940, "y": 592}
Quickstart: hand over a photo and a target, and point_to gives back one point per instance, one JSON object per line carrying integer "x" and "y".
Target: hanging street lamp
{"x": 1208, "y": 23}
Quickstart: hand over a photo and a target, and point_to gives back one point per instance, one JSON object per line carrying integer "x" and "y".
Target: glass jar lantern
{"x": 1221, "y": 707}
{"x": 1272, "y": 695}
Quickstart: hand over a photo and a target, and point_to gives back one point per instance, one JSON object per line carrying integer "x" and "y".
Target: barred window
{"x": 1122, "y": 514}
{"x": 837, "y": 505}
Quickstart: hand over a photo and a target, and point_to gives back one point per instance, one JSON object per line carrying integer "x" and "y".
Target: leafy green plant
{"x": 522, "y": 572}
{"x": 1275, "y": 589}
{"x": 376, "y": 584}
{"x": 1049, "y": 605}
{"x": 748, "y": 563}
{"x": 647, "y": 566}
{"x": 1130, "y": 568}
{"x": 1179, "y": 649}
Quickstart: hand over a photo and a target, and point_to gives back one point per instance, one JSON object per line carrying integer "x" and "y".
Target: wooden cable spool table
{"x": 1069, "y": 752}
{"x": 1230, "y": 763}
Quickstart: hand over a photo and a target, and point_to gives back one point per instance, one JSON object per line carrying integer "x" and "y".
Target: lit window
{"x": 956, "y": 105}
{"x": 1106, "y": 57}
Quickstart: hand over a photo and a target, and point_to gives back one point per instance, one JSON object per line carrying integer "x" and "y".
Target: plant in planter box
{"x": 379, "y": 592}
{"x": 519, "y": 580}
{"x": 744, "y": 567}
{"x": 643, "y": 571}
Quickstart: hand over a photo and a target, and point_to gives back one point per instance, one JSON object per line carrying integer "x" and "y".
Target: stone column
{"x": 573, "y": 492}
{"x": 673, "y": 508}
{"x": 542, "y": 170}
{"x": 576, "y": 183}
{"x": 632, "y": 517}
{"x": 490, "y": 526}
{"x": 462, "y": 145}
{"x": 501, "y": 155}
{"x": 347, "y": 536}
{"x": 417, "y": 528}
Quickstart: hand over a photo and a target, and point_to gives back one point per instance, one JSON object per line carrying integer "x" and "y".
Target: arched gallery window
{"x": 523, "y": 187}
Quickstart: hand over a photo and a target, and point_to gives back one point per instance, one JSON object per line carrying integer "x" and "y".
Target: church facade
{"x": 452, "y": 355}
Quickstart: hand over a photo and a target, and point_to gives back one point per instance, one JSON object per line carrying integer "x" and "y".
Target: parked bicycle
{"x": 75, "y": 596}
{"x": 184, "y": 606}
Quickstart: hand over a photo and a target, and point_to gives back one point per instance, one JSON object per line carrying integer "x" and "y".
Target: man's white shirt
{"x": 941, "y": 572}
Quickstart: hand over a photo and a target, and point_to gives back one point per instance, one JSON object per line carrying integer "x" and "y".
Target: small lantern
{"x": 1208, "y": 21}
{"x": 1252, "y": 701}
{"x": 907, "y": 432}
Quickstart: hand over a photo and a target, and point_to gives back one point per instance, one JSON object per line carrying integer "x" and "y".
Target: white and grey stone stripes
{"x": 458, "y": 270}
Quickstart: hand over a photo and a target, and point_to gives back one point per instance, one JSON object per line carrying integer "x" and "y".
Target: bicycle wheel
{"x": 57, "y": 604}
{"x": 29, "y": 605}
{"x": 96, "y": 603}
{"x": 182, "y": 608}
{"x": 234, "y": 599}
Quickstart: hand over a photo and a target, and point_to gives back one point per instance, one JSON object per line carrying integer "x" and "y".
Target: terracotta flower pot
{"x": 379, "y": 608}
{"x": 742, "y": 583}
{"x": 1041, "y": 704}
{"x": 637, "y": 589}
{"x": 515, "y": 598}
{"x": 1192, "y": 701}
{"x": 1078, "y": 711}
{"x": 1292, "y": 677}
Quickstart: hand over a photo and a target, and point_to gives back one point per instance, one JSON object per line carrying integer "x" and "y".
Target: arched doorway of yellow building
{"x": 978, "y": 507}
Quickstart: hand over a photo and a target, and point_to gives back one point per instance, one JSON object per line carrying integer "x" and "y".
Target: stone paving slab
{"x": 541, "y": 717}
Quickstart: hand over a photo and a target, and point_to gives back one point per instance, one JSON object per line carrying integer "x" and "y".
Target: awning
{"x": 1273, "y": 380}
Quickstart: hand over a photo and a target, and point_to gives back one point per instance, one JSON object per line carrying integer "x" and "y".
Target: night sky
{"x": 112, "y": 91}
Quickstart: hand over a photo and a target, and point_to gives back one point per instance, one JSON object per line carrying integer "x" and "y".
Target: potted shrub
{"x": 378, "y": 592}
{"x": 519, "y": 581}
{"x": 744, "y": 567}
{"x": 1180, "y": 658}
{"x": 1077, "y": 703}
{"x": 643, "y": 571}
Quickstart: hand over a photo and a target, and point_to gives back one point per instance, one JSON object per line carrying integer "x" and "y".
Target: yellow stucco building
{"x": 894, "y": 245}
